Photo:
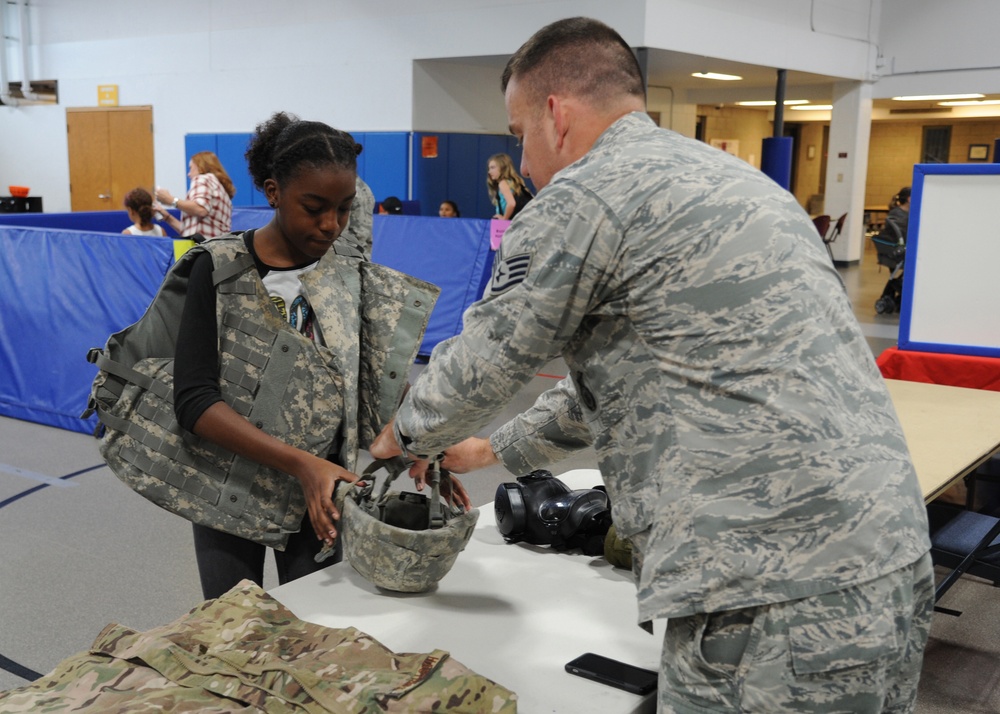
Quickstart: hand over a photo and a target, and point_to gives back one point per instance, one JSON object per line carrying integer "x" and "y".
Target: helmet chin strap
{"x": 395, "y": 465}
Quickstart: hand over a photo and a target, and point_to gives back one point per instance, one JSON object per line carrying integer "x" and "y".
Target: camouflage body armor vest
{"x": 327, "y": 402}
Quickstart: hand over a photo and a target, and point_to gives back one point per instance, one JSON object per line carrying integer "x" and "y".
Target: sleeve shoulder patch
{"x": 509, "y": 272}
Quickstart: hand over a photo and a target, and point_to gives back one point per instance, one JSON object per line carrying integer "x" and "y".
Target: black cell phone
{"x": 614, "y": 673}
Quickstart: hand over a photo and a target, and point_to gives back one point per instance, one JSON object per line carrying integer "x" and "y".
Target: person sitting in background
{"x": 207, "y": 209}
{"x": 508, "y": 191}
{"x": 139, "y": 206}
{"x": 391, "y": 206}
{"x": 899, "y": 213}
{"x": 448, "y": 209}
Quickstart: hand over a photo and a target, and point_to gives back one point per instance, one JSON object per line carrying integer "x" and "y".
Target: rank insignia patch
{"x": 510, "y": 272}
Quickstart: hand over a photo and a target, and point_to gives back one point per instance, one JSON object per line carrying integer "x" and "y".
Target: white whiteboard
{"x": 951, "y": 280}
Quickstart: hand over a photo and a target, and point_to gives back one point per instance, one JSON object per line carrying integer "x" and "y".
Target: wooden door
{"x": 110, "y": 153}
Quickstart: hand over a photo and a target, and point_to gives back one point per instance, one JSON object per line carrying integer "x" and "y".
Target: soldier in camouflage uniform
{"x": 749, "y": 446}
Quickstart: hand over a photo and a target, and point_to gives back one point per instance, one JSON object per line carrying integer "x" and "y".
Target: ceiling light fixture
{"x": 771, "y": 102}
{"x": 716, "y": 75}
{"x": 969, "y": 103}
{"x": 937, "y": 97}
{"x": 813, "y": 107}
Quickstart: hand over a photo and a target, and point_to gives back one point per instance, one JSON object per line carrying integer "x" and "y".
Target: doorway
{"x": 110, "y": 153}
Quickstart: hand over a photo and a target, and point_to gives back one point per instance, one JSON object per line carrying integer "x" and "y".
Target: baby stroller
{"x": 891, "y": 248}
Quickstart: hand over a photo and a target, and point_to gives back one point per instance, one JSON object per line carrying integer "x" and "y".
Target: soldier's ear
{"x": 559, "y": 112}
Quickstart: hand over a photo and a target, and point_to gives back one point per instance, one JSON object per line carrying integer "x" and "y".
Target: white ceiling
{"x": 673, "y": 70}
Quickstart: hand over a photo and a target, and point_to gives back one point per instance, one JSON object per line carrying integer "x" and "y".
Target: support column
{"x": 847, "y": 165}
{"x": 776, "y": 153}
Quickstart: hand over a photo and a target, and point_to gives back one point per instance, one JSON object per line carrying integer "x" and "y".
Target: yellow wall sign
{"x": 107, "y": 95}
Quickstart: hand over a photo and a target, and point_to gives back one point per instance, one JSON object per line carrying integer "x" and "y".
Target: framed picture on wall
{"x": 979, "y": 152}
{"x": 730, "y": 146}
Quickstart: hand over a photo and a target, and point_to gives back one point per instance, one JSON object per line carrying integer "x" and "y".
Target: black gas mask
{"x": 542, "y": 510}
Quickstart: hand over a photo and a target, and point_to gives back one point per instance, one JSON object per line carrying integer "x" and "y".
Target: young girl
{"x": 448, "y": 209}
{"x": 508, "y": 191}
{"x": 139, "y": 206}
{"x": 277, "y": 380}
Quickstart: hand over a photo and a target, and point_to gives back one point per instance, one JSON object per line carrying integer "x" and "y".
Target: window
{"x": 937, "y": 144}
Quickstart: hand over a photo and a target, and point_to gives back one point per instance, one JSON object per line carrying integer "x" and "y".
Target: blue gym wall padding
{"x": 452, "y": 253}
{"x": 115, "y": 221}
{"x": 65, "y": 291}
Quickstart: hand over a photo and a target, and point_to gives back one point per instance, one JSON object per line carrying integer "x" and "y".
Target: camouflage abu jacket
{"x": 245, "y": 652}
{"x": 747, "y": 440}
{"x": 325, "y": 400}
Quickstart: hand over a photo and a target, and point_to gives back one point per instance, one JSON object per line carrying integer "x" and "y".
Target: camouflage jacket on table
{"x": 245, "y": 652}
{"x": 324, "y": 400}
{"x": 744, "y": 433}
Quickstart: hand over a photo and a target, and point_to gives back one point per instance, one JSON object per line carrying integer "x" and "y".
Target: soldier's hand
{"x": 454, "y": 492}
{"x": 469, "y": 455}
{"x": 452, "y": 489}
{"x": 418, "y": 472}
{"x": 385, "y": 446}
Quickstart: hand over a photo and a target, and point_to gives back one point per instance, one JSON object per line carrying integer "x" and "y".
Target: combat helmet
{"x": 402, "y": 541}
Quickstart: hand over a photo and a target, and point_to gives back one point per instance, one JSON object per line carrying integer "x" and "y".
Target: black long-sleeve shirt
{"x": 196, "y": 359}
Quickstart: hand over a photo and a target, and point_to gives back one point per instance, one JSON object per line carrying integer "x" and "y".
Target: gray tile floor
{"x": 81, "y": 550}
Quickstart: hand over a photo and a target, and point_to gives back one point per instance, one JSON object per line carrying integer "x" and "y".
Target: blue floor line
{"x": 21, "y": 495}
{"x": 19, "y": 670}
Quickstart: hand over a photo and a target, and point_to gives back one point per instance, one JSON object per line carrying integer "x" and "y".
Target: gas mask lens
{"x": 554, "y": 509}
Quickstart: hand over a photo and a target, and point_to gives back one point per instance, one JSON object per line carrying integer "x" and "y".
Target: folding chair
{"x": 829, "y": 238}
{"x": 967, "y": 543}
{"x": 822, "y": 224}
{"x": 966, "y": 540}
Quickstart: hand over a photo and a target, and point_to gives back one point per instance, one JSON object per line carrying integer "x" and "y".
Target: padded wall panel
{"x": 63, "y": 293}
{"x": 467, "y": 176}
{"x": 430, "y": 175}
{"x": 91, "y": 221}
{"x": 386, "y": 163}
{"x": 452, "y": 253}
{"x": 232, "y": 150}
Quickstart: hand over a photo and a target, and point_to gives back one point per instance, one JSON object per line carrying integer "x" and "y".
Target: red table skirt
{"x": 938, "y": 368}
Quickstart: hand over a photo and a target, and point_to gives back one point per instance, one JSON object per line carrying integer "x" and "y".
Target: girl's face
{"x": 311, "y": 211}
{"x": 493, "y": 170}
{"x": 193, "y": 169}
{"x": 446, "y": 211}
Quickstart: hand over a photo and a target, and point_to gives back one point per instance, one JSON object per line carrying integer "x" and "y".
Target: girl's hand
{"x": 318, "y": 484}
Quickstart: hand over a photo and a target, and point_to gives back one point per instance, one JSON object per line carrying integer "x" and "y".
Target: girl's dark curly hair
{"x": 284, "y": 144}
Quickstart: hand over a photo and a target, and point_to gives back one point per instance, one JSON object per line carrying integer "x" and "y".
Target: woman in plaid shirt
{"x": 207, "y": 210}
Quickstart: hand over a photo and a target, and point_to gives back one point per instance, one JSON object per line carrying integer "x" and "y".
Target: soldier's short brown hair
{"x": 579, "y": 56}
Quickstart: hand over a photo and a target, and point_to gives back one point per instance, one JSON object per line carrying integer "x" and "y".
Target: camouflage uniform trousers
{"x": 853, "y": 651}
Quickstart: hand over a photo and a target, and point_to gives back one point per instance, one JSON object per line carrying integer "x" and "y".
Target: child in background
{"x": 139, "y": 205}
{"x": 508, "y": 191}
{"x": 449, "y": 209}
